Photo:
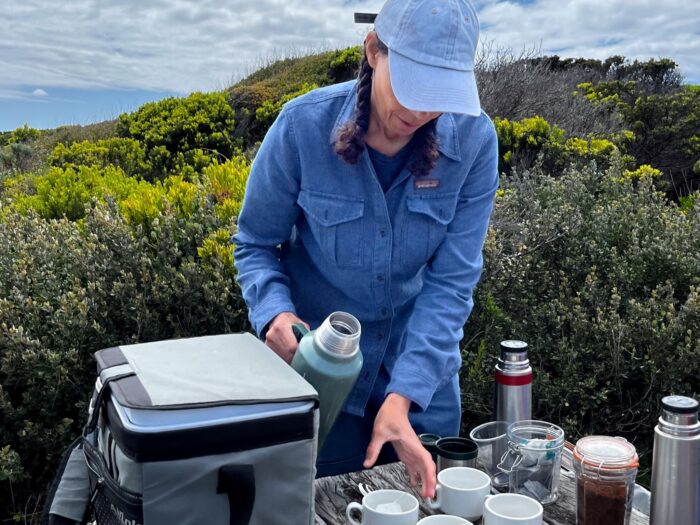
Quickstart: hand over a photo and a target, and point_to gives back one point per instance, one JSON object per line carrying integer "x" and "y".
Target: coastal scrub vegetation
{"x": 119, "y": 233}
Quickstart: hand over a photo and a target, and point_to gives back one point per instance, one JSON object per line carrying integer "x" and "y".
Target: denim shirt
{"x": 318, "y": 235}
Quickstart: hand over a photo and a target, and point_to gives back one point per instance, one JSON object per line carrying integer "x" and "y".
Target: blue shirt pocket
{"x": 425, "y": 226}
{"x": 335, "y": 222}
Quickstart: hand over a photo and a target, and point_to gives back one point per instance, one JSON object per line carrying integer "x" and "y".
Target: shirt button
{"x": 384, "y": 311}
{"x": 382, "y": 233}
{"x": 380, "y": 336}
{"x": 380, "y": 278}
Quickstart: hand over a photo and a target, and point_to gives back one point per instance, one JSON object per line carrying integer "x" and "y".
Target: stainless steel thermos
{"x": 513, "y": 394}
{"x": 675, "y": 471}
{"x": 330, "y": 359}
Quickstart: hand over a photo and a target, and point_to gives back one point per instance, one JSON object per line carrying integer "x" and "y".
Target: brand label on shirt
{"x": 426, "y": 183}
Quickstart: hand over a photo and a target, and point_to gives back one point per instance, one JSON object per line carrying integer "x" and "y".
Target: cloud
{"x": 175, "y": 45}
{"x": 186, "y": 45}
{"x": 39, "y": 93}
{"x": 636, "y": 29}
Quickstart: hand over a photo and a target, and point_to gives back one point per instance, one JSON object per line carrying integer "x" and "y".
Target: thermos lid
{"x": 606, "y": 452}
{"x": 457, "y": 448}
{"x": 428, "y": 439}
{"x": 513, "y": 346}
{"x": 679, "y": 404}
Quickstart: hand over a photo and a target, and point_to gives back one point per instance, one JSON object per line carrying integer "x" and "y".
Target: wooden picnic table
{"x": 335, "y": 492}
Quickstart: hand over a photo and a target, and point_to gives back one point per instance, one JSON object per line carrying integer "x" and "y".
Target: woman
{"x": 373, "y": 197}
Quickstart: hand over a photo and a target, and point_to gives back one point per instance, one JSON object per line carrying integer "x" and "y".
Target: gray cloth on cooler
{"x": 228, "y": 372}
{"x": 73, "y": 491}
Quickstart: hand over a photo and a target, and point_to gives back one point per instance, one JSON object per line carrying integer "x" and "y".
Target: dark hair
{"x": 351, "y": 137}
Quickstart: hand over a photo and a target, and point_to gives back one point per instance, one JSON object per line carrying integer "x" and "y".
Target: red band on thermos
{"x": 508, "y": 380}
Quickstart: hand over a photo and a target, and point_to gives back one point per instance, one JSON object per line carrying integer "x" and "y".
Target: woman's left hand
{"x": 392, "y": 424}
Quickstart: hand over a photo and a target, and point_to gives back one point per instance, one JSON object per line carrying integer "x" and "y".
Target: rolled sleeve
{"x": 431, "y": 356}
{"x": 267, "y": 216}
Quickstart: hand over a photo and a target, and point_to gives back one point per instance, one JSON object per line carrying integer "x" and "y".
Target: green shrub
{"x": 69, "y": 289}
{"x": 182, "y": 132}
{"x": 346, "y": 64}
{"x": 601, "y": 276}
{"x": 65, "y": 192}
{"x": 644, "y": 171}
{"x": 127, "y": 154}
{"x": 268, "y": 111}
{"x": 521, "y": 143}
{"x": 226, "y": 183}
{"x": 614, "y": 94}
{"x": 18, "y": 152}
{"x": 664, "y": 126}
{"x": 147, "y": 202}
{"x": 17, "y": 157}
{"x": 23, "y": 135}
{"x": 280, "y": 79}
{"x": 689, "y": 202}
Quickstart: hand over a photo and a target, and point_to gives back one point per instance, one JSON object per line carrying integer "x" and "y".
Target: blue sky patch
{"x": 44, "y": 108}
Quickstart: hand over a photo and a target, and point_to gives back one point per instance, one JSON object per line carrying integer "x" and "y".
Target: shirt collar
{"x": 448, "y": 137}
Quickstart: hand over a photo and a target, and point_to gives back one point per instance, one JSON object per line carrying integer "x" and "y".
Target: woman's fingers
{"x": 427, "y": 475}
{"x": 392, "y": 425}
{"x": 373, "y": 450}
{"x": 280, "y": 336}
{"x": 419, "y": 465}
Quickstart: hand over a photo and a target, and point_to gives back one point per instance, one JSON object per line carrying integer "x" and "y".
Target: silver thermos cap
{"x": 679, "y": 410}
{"x": 513, "y": 351}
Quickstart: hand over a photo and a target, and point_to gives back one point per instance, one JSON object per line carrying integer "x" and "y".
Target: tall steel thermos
{"x": 675, "y": 470}
{"x": 513, "y": 394}
{"x": 330, "y": 359}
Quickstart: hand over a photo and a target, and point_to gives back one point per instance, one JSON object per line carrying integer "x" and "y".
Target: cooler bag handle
{"x": 238, "y": 482}
{"x": 107, "y": 375}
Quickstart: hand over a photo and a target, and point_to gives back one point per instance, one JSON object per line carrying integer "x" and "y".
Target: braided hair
{"x": 352, "y": 136}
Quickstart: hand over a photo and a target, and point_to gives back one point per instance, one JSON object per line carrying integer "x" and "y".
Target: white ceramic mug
{"x": 461, "y": 492}
{"x": 385, "y": 507}
{"x": 512, "y": 509}
{"x": 444, "y": 519}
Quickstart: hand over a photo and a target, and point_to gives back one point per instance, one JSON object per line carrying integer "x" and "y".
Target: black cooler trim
{"x": 128, "y": 388}
{"x": 218, "y": 439}
{"x": 110, "y": 357}
{"x": 130, "y": 392}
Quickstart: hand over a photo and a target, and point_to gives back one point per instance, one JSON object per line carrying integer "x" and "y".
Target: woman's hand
{"x": 280, "y": 336}
{"x": 391, "y": 424}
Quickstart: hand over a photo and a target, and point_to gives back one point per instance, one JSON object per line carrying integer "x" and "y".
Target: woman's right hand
{"x": 280, "y": 336}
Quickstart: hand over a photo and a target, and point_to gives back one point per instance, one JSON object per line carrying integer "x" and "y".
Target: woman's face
{"x": 393, "y": 118}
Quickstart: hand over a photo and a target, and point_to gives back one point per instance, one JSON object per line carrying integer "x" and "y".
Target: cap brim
{"x": 421, "y": 87}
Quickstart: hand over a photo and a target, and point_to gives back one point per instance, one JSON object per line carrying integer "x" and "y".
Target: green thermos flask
{"x": 330, "y": 359}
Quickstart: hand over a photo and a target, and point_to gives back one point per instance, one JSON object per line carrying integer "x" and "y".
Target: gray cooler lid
{"x": 202, "y": 371}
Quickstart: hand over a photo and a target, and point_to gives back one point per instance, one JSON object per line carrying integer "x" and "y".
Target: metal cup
{"x": 456, "y": 452}
{"x": 492, "y": 442}
{"x": 428, "y": 441}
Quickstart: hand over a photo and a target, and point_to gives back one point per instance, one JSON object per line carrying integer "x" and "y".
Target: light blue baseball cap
{"x": 431, "y": 44}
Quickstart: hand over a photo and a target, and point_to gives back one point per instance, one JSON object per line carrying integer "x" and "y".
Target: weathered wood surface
{"x": 334, "y": 493}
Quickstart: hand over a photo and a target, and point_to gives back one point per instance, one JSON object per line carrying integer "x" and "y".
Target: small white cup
{"x": 512, "y": 509}
{"x": 461, "y": 492}
{"x": 444, "y": 519}
{"x": 385, "y": 507}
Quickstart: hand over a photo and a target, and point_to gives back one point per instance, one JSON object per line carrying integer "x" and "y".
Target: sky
{"x": 83, "y": 61}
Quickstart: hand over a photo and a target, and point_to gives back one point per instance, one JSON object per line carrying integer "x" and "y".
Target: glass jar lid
{"x": 606, "y": 452}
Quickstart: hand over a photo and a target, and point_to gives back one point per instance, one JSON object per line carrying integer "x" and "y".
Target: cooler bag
{"x": 213, "y": 430}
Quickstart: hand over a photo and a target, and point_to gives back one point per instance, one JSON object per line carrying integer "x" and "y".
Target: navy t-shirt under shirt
{"x": 388, "y": 168}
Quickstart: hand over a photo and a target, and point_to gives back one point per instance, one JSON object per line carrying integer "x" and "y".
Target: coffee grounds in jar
{"x": 600, "y": 502}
